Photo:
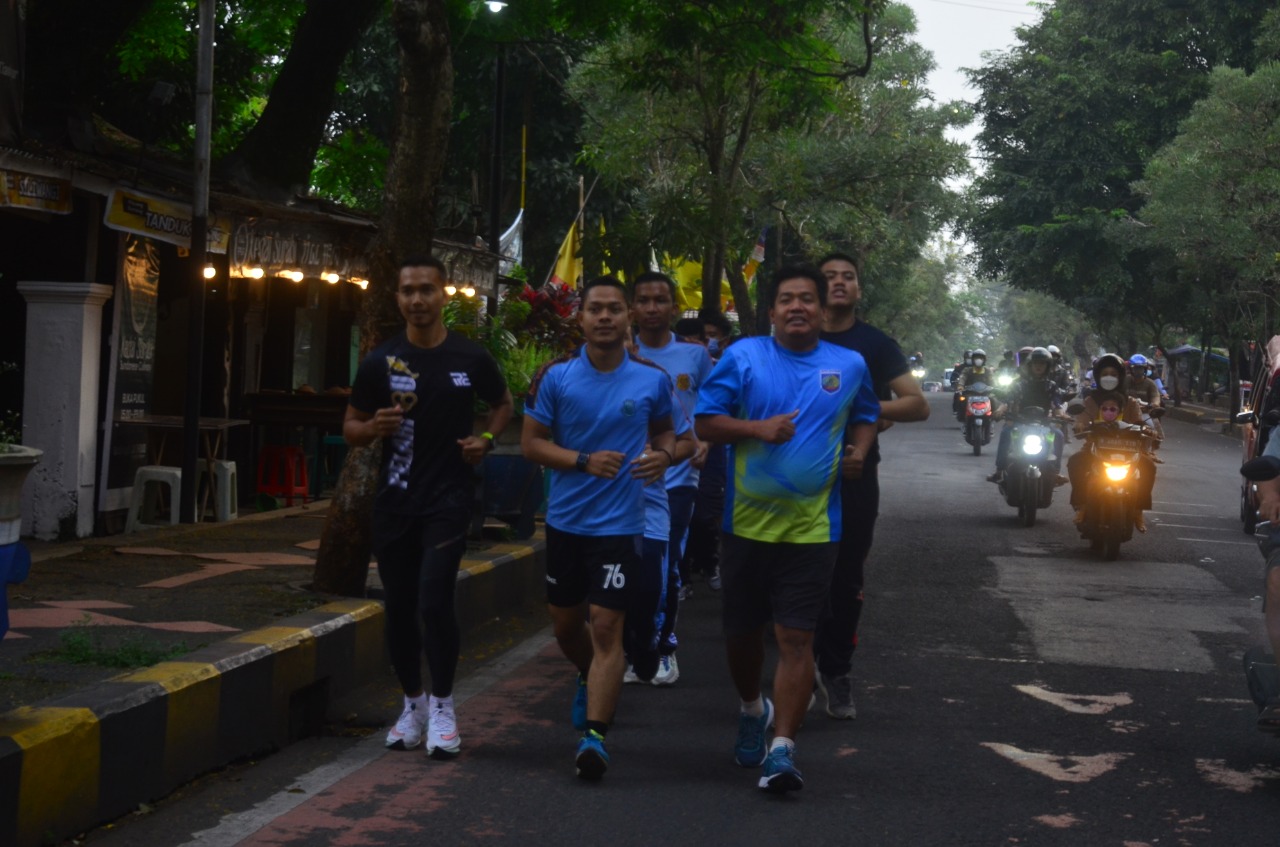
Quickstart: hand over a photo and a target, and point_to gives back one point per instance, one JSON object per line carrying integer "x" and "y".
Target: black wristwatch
{"x": 581, "y": 464}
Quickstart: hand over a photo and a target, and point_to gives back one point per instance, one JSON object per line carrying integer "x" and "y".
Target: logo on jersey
{"x": 684, "y": 382}
{"x": 404, "y": 393}
{"x": 461, "y": 380}
{"x": 629, "y": 407}
{"x": 831, "y": 381}
{"x": 399, "y": 366}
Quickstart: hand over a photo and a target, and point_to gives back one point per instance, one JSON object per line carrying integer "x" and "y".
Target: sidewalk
{"x": 241, "y": 657}
{"x": 1200, "y": 413}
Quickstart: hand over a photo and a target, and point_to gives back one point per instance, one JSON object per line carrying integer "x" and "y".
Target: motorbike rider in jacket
{"x": 976, "y": 371}
{"x": 1269, "y": 510}
{"x": 1034, "y": 387}
{"x": 1108, "y": 402}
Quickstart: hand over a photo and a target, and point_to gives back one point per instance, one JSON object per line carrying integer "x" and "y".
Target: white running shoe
{"x": 630, "y": 678}
{"x": 409, "y": 729}
{"x": 443, "y": 740}
{"x": 668, "y": 671}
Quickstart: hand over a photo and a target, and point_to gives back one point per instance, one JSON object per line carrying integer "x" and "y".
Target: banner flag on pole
{"x": 568, "y": 267}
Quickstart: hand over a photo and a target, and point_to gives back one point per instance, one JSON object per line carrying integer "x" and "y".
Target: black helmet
{"x": 1041, "y": 354}
{"x": 1115, "y": 363}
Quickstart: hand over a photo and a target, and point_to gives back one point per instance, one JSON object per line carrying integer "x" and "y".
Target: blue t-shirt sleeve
{"x": 722, "y": 392}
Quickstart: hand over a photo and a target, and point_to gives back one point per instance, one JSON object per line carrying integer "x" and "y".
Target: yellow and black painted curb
{"x": 92, "y": 756}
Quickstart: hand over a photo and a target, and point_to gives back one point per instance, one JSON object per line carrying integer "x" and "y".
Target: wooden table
{"x": 212, "y": 436}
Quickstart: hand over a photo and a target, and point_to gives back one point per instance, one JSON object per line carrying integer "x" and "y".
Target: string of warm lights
{"x": 254, "y": 272}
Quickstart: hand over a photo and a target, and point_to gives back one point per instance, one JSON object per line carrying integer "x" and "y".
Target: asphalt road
{"x": 1012, "y": 689}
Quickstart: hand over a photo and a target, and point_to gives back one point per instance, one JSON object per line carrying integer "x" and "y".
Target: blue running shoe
{"x": 749, "y": 750}
{"x": 580, "y": 705}
{"x": 593, "y": 759}
{"x": 780, "y": 774}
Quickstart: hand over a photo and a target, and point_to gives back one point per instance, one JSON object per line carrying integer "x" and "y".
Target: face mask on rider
{"x": 1110, "y": 412}
{"x": 1109, "y": 383}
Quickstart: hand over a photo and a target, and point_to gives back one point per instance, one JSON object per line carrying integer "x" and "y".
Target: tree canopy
{"x": 1071, "y": 115}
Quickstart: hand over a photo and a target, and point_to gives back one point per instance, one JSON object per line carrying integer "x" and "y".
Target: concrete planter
{"x": 16, "y": 461}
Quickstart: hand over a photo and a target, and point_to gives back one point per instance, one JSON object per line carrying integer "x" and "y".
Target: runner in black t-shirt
{"x": 901, "y": 400}
{"x": 417, "y": 393}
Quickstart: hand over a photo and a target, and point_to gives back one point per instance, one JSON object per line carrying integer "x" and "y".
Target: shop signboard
{"x": 132, "y": 367}
{"x": 162, "y": 219}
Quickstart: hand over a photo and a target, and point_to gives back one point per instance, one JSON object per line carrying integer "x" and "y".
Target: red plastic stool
{"x": 282, "y": 472}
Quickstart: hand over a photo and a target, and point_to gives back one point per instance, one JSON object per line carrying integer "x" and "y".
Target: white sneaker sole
{"x": 441, "y": 751}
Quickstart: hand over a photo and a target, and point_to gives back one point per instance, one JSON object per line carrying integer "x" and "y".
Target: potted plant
{"x": 16, "y": 461}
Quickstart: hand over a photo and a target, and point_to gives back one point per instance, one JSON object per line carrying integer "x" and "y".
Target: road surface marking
{"x": 1081, "y": 769}
{"x": 1216, "y": 541}
{"x": 1202, "y": 528}
{"x": 1078, "y": 704}
{"x": 1217, "y": 772}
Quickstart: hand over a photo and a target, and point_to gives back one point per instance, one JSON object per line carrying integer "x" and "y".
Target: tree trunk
{"x": 424, "y": 108}
{"x": 741, "y": 298}
{"x": 280, "y": 150}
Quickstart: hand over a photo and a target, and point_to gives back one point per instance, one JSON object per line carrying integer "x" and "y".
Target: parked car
{"x": 932, "y": 386}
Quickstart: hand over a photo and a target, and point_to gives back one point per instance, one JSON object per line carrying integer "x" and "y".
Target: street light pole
{"x": 199, "y": 246}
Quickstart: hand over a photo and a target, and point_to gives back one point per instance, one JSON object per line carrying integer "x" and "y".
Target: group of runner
{"x": 623, "y": 428}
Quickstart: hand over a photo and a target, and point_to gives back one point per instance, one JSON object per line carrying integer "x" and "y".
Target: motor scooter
{"x": 1260, "y": 671}
{"x": 978, "y": 413}
{"x": 1031, "y": 472}
{"x": 1110, "y": 502}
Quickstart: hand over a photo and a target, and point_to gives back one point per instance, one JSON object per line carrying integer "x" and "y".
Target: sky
{"x": 957, "y": 32}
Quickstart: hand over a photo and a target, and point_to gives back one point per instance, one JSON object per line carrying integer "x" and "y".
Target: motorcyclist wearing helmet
{"x": 1109, "y": 373}
{"x": 1034, "y": 387}
{"x": 1059, "y": 372}
{"x": 1141, "y": 388}
{"x": 977, "y": 371}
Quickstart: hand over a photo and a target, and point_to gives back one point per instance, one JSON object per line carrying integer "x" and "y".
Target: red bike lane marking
{"x": 394, "y": 794}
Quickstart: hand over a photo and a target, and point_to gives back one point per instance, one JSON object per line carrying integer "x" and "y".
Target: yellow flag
{"x": 568, "y": 270}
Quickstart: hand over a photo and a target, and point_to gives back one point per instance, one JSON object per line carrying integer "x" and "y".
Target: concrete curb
{"x": 72, "y": 763}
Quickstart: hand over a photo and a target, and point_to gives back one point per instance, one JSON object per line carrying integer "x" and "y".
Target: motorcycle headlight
{"x": 1115, "y": 473}
{"x": 918, "y": 373}
{"x": 1004, "y": 380}
{"x": 1032, "y": 445}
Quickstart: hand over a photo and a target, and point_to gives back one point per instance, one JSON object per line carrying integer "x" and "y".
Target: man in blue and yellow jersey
{"x": 783, "y": 404}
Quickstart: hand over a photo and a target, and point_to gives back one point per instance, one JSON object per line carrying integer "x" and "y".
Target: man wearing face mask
{"x": 718, "y": 332}
{"x": 1109, "y": 372}
{"x": 976, "y": 372}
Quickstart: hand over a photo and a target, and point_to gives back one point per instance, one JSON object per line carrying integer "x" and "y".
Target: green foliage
{"x": 351, "y": 169}
{"x": 87, "y": 645}
{"x": 531, "y": 328}
{"x": 1211, "y": 196}
{"x": 252, "y": 39}
{"x": 1070, "y": 116}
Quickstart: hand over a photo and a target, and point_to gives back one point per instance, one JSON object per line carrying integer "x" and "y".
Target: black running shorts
{"x": 774, "y": 580}
{"x": 592, "y": 568}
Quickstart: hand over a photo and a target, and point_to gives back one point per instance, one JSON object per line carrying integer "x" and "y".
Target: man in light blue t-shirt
{"x": 600, "y": 420}
{"x": 688, "y": 365}
{"x": 784, "y": 405}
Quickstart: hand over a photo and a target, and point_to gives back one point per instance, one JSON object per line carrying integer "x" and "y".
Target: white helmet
{"x": 1054, "y": 351}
